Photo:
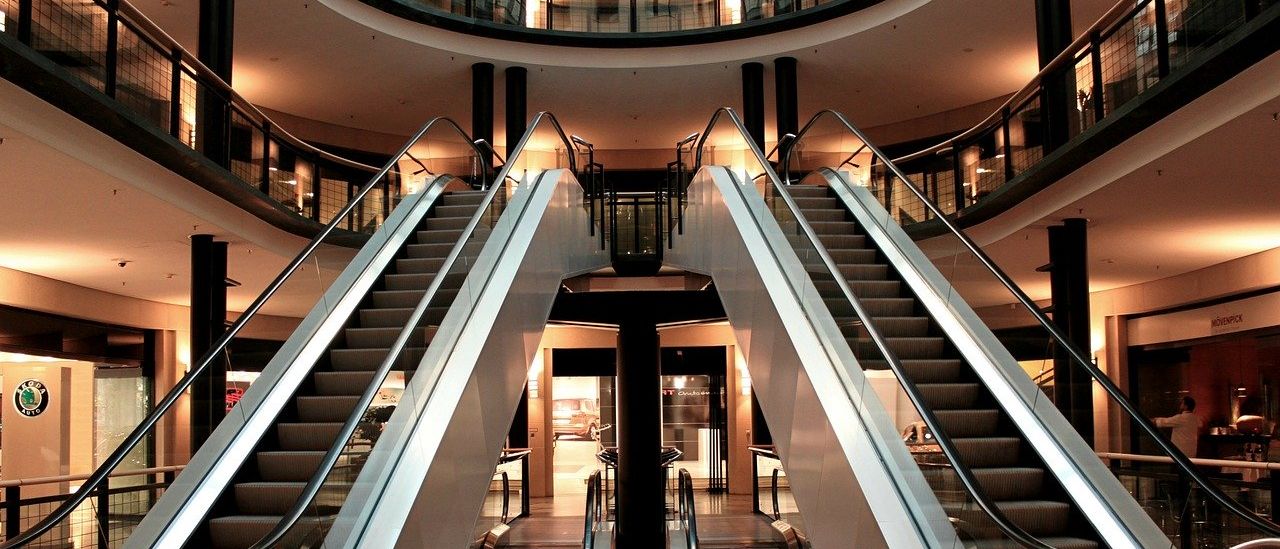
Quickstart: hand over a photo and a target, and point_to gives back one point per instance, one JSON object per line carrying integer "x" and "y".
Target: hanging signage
{"x": 31, "y": 397}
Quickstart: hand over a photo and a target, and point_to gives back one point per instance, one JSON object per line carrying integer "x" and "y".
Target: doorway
{"x": 695, "y": 412}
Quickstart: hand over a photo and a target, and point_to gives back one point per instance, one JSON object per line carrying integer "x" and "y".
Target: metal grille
{"x": 1026, "y": 136}
{"x": 9, "y": 19}
{"x": 333, "y": 196}
{"x": 1128, "y": 55}
{"x": 187, "y": 110}
{"x": 604, "y": 16}
{"x": 1083, "y": 118}
{"x": 246, "y": 149}
{"x": 144, "y": 77}
{"x": 1197, "y": 24}
{"x": 72, "y": 33}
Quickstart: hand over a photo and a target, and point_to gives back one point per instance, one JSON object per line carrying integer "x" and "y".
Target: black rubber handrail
{"x": 592, "y": 514}
{"x": 688, "y": 514}
{"x": 331, "y": 457}
{"x": 1059, "y": 338}
{"x": 140, "y": 432}
{"x": 967, "y": 478}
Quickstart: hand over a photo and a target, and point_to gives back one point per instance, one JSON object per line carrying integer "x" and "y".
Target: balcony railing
{"x": 109, "y": 46}
{"x": 609, "y": 16}
{"x": 1132, "y": 48}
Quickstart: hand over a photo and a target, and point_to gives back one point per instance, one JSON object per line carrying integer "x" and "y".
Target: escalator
{"x": 1010, "y": 472}
{"x": 336, "y": 411}
{"x": 269, "y": 483}
{"x": 864, "y": 333}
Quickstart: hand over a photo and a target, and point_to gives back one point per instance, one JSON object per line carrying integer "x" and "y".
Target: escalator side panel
{"x": 185, "y": 503}
{"x": 1097, "y": 492}
{"x": 854, "y": 480}
{"x": 427, "y": 479}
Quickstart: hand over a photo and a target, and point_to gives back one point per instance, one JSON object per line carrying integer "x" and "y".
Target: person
{"x": 1185, "y": 425}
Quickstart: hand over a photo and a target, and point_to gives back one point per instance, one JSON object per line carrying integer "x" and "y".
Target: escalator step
{"x": 1052, "y": 541}
{"x": 447, "y": 224}
{"x": 472, "y": 198}
{"x": 307, "y": 436}
{"x": 999, "y": 483}
{"x": 326, "y": 407}
{"x": 346, "y": 360}
{"x": 835, "y": 241}
{"x": 448, "y": 236}
{"x": 813, "y": 215}
{"x": 904, "y": 347}
{"x": 463, "y": 211}
{"x": 396, "y": 318}
{"x": 865, "y": 272}
{"x": 425, "y": 265}
{"x": 422, "y": 281}
{"x": 850, "y": 256}
{"x": 267, "y": 498}
{"x": 833, "y": 227}
{"x": 441, "y": 250}
{"x": 808, "y": 191}
{"x": 988, "y": 451}
{"x": 1038, "y": 518}
{"x": 384, "y": 338}
{"x": 949, "y": 396}
{"x": 968, "y": 423}
{"x": 825, "y": 201}
{"x": 923, "y": 371}
{"x": 288, "y": 466}
{"x": 902, "y": 326}
{"x": 342, "y": 383}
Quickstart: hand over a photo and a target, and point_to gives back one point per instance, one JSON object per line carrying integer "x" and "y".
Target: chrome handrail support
{"x": 252, "y": 399}
{"x": 1073, "y": 351}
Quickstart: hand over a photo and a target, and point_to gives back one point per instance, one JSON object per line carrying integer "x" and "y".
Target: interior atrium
{"x": 718, "y": 274}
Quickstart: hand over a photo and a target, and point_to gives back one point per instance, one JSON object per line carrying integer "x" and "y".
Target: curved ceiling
{"x": 303, "y": 57}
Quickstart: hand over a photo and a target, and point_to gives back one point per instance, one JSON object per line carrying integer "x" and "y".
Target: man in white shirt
{"x": 1185, "y": 425}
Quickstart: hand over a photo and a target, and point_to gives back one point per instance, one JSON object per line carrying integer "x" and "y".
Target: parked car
{"x": 578, "y": 417}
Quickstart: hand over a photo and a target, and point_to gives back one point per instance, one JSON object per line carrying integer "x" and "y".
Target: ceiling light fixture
{"x": 291, "y": 182}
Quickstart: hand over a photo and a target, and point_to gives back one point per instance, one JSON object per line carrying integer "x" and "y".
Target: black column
{"x": 1069, "y": 285}
{"x": 517, "y": 105}
{"x": 759, "y": 427}
{"x": 482, "y": 103}
{"x": 213, "y": 116}
{"x": 1053, "y": 35}
{"x": 753, "y": 101}
{"x": 786, "y": 95}
{"x": 640, "y": 488}
{"x": 518, "y": 436}
{"x": 208, "y": 318}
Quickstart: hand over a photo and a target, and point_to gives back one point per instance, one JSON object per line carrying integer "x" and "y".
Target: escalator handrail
{"x": 1060, "y": 339}
{"x": 349, "y": 427}
{"x": 689, "y": 516}
{"x": 966, "y": 476}
{"x": 94, "y": 482}
{"x": 591, "y": 516}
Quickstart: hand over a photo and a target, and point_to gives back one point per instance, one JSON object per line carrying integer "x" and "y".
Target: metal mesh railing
{"x": 1138, "y": 44}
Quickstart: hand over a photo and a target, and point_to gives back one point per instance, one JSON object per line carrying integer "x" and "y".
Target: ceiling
{"x": 304, "y": 58}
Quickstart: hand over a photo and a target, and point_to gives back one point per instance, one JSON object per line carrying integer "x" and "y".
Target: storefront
{"x": 1226, "y": 356}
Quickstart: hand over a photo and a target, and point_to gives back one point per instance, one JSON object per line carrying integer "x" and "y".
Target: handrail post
{"x": 175, "y": 95}
{"x": 1007, "y": 134}
{"x": 1162, "y": 38}
{"x": 506, "y": 496}
{"x": 103, "y": 513}
{"x": 524, "y": 486}
{"x": 12, "y": 511}
{"x": 1095, "y": 54}
{"x": 24, "y": 21}
{"x": 111, "y": 62}
{"x": 264, "y": 184}
{"x": 773, "y": 488}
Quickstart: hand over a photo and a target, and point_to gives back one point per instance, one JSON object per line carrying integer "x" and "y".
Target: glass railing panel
{"x": 1102, "y": 420}
{"x": 163, "y": 437}
{"x": 543, "y": 150}
{"x": 1084, "y": 111}
{"x": 773, "y": 491}
{"x": 1198, "y": 24}
{"x": 503, "y": 502}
